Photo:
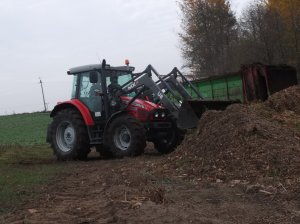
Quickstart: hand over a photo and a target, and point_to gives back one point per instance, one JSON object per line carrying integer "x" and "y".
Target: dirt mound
{"x": 288, "y": 99}
{"x": 244, "y": 142}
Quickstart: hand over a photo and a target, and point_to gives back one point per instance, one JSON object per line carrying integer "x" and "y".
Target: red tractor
{"x": 107, "y": 112}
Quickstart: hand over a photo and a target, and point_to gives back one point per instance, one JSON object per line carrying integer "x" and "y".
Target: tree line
{"x": 216, "y": 42}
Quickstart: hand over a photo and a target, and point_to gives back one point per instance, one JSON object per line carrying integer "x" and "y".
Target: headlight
{"x": 160, "y": 114}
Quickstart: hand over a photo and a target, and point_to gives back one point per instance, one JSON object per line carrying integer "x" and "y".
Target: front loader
{"x": 186, "y": 108}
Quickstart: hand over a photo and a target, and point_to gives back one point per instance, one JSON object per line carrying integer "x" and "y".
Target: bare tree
{"x": 262, "y": 35}
{"x": 209, "y": 34}
{"x": 289, "y": 13}
{"x": 214, "y": 43}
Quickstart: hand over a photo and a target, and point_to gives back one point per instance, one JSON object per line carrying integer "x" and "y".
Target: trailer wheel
{"x": 69, "y": 137}
{"x": 126, "y": 137}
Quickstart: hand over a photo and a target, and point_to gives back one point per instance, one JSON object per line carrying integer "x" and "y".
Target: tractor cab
{"x": 95, "y": 86}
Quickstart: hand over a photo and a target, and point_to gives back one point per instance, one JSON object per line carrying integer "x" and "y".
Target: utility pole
{"x": 43, "y": 94}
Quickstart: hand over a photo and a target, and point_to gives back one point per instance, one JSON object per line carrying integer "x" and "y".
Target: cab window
{"x": 123, "y": 77}
{"x": 85, "y": 85}
{"x": 74, "y": 87}
{"x": 89, "y": 93}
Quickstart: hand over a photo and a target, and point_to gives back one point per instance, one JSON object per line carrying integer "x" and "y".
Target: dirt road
{"x": 128, "y": 191}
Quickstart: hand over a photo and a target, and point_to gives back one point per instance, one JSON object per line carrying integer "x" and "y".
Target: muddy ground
{"x": 128, "y": 191}
{"x": 241, "y": 165}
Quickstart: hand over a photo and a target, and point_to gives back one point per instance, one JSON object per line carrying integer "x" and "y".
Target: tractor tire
{"x": 126, "y": 137}
{"x": 69, "y": 136}
{"x": 104, "y": 152}
{"x": 169, "y": 143}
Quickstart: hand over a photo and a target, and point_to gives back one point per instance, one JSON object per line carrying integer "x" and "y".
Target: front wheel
{"x": 169, "y": 141}
{"x": 126, "y": 137}
{"x": 69, "y": 137}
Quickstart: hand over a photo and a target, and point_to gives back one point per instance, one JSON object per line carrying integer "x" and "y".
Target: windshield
{"x": 121, "y": 77}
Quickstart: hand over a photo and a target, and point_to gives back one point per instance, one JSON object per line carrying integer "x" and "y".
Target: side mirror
{"x": 93, "y": 77}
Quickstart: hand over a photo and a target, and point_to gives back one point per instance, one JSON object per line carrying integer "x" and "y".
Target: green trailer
{"x": 228, "y": 87}
{"x": 253, "y": 82}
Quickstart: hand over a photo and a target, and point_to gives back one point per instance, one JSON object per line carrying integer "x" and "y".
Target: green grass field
{"x": 24, "y": 129}
{"x": 27, "y": 163}
{"x": 23, "y": 174}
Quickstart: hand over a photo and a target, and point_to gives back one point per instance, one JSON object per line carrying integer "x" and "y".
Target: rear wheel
{"x": 126, "y": 137}
{"x": 69, "y": 137}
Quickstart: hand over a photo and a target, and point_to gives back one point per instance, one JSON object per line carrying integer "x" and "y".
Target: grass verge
{"x": 24, "y": 172}
{"x": 24, "y": 129}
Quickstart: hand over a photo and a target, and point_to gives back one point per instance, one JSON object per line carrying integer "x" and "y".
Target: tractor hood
{"x": 139, "y": 103}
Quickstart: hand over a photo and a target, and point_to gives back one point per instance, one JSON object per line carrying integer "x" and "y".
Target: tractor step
{"x": 96, "y": 135}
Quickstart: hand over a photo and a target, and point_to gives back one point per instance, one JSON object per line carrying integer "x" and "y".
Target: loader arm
{"x": 172, "y": 80}
{"x": 168, "y": 85}
{"x": 189, "y": 109}
{"x": 170, "y": 93}
{"x": 142, "y": 82}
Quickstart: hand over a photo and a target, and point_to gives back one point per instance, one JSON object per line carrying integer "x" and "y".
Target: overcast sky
{"x": 44, "y": 38}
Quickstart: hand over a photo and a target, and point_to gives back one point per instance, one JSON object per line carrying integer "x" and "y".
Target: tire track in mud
{"x": 126, "y": 191}
{"x": 77, "y": 198}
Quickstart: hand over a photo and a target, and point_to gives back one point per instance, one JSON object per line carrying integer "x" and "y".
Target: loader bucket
{"x": 191, "y": 111}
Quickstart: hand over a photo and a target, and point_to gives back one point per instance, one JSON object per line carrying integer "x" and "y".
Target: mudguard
{"x": 76, "y": 104}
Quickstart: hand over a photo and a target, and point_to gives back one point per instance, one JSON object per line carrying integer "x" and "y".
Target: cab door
{"x": 91, "y": 94}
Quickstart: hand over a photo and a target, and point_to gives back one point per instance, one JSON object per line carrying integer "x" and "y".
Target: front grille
{"x": 160, "y": 125}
